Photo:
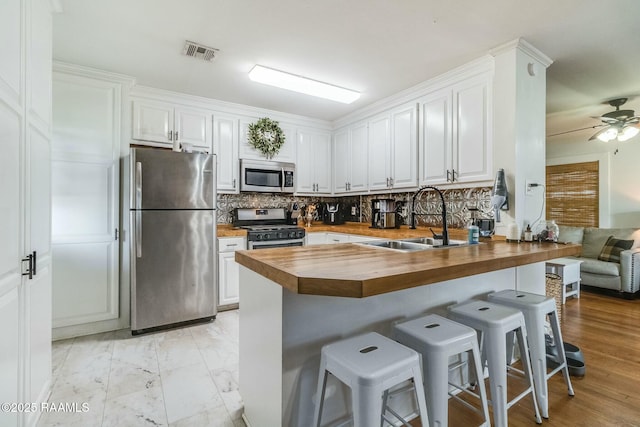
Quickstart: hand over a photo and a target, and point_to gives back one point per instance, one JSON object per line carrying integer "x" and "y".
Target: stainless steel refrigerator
{"x": 173, "y": 259}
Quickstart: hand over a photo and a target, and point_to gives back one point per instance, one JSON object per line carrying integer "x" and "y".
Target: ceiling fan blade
{"x": 575, "y": 130}
{"x": 609, "y": 120}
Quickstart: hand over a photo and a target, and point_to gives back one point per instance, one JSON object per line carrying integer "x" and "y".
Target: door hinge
{"x": 117, "y": 234}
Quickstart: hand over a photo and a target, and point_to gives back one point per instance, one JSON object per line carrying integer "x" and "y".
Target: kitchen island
{"x": 295, "y": 300}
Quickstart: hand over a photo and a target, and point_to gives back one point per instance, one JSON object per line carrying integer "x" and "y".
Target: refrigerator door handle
{"x": 138, "y": 185}
{"x": 138, "y": 234}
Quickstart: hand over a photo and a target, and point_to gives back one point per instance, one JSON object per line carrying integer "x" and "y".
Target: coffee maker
{"x": 383, "y": 213}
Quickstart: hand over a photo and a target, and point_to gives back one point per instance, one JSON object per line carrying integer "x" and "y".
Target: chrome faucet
{"x": 445, "y": 232}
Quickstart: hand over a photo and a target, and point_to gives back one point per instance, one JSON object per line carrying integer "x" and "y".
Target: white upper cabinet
{"x": 165, "y": 124}
{"x": 456, "y": 133}
{"x": 225, "y": 146}
{"x": 393, "y": 149}
{"x": 313, "y": 167}
{"x": 350, "y": 159}
{"x": 287, "y": 152}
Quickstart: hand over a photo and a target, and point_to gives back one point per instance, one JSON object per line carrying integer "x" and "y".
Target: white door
{"x": 379, "y": 153}
{"x": 472, "y": 133}
{"x": 358, "y": 157}
{"x": 11, "y": 251}
{"x": 225, "y": 147}
{"x": 341, "y": 161}
{"x": 404, "y": 153}
{"x": 152, "y": 121}
{"x": 85, "y": 191}
{"x": 193, "y": 126}
{"x": 229, "y": 292}
{"x": 435, "y": 138}
{"x": 305, "y": 166}
{"x": 322, "y": 162}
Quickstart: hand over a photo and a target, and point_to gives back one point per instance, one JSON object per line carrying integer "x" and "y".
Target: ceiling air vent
{"x": 199, "y": 51}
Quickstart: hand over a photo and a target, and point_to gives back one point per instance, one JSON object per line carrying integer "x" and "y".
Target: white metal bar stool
{"x": 437, "y": 339}
{"x": 494, "y": 322}
{"x": 535, "y": 309}
{"x": 369, "y": 364}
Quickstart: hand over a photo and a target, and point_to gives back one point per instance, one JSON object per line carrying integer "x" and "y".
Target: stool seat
{"x": 369, "y": 364}
{"x": 494, "y": 323}
{"x": 437, "y": 339}
{"x": 535, "y": 309}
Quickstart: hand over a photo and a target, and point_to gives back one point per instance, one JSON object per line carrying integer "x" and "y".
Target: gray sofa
{"x": 623, "y": 276}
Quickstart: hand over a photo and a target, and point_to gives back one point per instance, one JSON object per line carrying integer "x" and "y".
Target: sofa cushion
{"x": 600, "y": 267}
{"x": 611, "y": 250}
{"x": 571, "y": 234}
{"x": 595, "y": 238}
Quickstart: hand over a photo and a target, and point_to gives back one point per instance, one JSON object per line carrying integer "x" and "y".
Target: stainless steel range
{"x": 268, "y": 228}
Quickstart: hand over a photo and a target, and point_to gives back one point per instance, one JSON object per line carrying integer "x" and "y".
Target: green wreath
{"x": 266, "y": 136}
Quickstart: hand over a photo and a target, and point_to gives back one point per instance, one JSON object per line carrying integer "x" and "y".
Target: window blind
{"x": 572, "y": 194}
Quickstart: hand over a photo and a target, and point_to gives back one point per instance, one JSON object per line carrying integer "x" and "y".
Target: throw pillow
{"x": 611, "y": 250}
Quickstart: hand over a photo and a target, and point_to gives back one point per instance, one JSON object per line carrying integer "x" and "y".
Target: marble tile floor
{"x": 176, "y": 378}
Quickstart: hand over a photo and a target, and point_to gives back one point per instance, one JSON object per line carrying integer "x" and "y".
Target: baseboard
{"x": 610, "y": 292}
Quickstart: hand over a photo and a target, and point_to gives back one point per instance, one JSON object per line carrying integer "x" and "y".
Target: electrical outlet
{"x": 529, "y": 186}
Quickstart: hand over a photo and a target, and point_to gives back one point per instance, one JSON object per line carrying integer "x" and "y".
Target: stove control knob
{"x": 300, "y": 234}
{"x": 266, "y": 236}
{"x": 281, "y": 235}
{"x": 292, "y": 234}
{"x": 258, "y": 236}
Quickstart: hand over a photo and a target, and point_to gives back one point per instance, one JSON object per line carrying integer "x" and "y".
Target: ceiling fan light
{"x": 606, "y": 134}
{"x": 627, "y": 133}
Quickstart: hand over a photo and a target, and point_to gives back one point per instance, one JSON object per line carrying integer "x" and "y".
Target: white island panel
{"x": 281, "y": 334}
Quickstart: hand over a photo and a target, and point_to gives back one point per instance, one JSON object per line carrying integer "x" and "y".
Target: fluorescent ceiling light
{"x": 301, "y": 84}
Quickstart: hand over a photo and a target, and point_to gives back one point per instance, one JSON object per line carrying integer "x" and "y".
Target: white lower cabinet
{"x": 228, "y": 276}
{"x": 328, "y": 238}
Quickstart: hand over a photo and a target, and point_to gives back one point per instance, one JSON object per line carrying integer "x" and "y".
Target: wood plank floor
{"x": 607, "y": 330}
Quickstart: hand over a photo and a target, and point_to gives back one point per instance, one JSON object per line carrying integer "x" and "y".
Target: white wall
{"x": 619, "y": 175}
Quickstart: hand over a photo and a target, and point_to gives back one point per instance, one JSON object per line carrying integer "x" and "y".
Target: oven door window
{"x": 262, "y": 177}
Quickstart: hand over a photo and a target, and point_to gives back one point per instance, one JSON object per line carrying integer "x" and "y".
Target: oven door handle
{"x": 252, "y": 244}
{"x": 282, "y": 181}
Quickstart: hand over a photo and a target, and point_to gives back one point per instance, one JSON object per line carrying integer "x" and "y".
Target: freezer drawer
{"x": 173, "y": 267}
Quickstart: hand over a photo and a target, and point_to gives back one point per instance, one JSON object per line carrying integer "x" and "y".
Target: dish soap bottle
{"x": 528, "y": 234}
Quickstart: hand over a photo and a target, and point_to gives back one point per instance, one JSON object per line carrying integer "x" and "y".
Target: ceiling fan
{"x": 620, "y": 124}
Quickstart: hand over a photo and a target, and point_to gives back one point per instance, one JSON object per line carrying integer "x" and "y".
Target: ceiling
{"x": 377, "y": 47}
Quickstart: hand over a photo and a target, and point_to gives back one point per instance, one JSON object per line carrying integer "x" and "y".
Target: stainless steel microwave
{"x": 266, "y": 176}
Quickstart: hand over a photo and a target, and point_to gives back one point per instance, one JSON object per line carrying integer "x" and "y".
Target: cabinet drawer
{"x": 230, "y": 244}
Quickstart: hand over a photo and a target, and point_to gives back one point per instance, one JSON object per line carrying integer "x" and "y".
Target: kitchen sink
{"x": 433, "y": 243}
{"x": 397, "y": 245}
{"x": 414, "y": 244}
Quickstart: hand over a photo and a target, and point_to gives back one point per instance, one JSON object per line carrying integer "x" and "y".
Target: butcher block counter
{"x": 357, "y": 270}
{"x": 295, "y": 300}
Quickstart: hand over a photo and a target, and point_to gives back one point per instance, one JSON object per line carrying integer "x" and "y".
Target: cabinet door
{"x": 193, "y": 126}
{"x": 152, "y": 121}
{"x": 305, "y": 166}
{"x": 10, "y": 50}
{"x": 318, "y": 238}
{"x": 341, "y": 161}
{"x": 404, "y": 147}
{"x": 322, "y": 162}
{"x": 85, "y": 202}
{"x": 473, "y": 150}
{"x": 435, "y": 138}
{"x": 225, "y": 146}
{"x": 379, "y": 153}
{"x": 287, "y": 152}
{"x": 358, "y": 157}
{"x": 229, "y": 279}
{"x": 9, "y": 353}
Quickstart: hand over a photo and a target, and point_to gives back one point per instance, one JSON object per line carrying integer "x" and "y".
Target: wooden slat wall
{"x": 572, "y": 194}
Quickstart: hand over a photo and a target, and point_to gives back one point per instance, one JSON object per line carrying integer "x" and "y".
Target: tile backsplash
{"x": 458, "y": 202}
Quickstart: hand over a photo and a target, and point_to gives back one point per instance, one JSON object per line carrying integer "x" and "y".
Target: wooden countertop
{"x": 358, "y": 271}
